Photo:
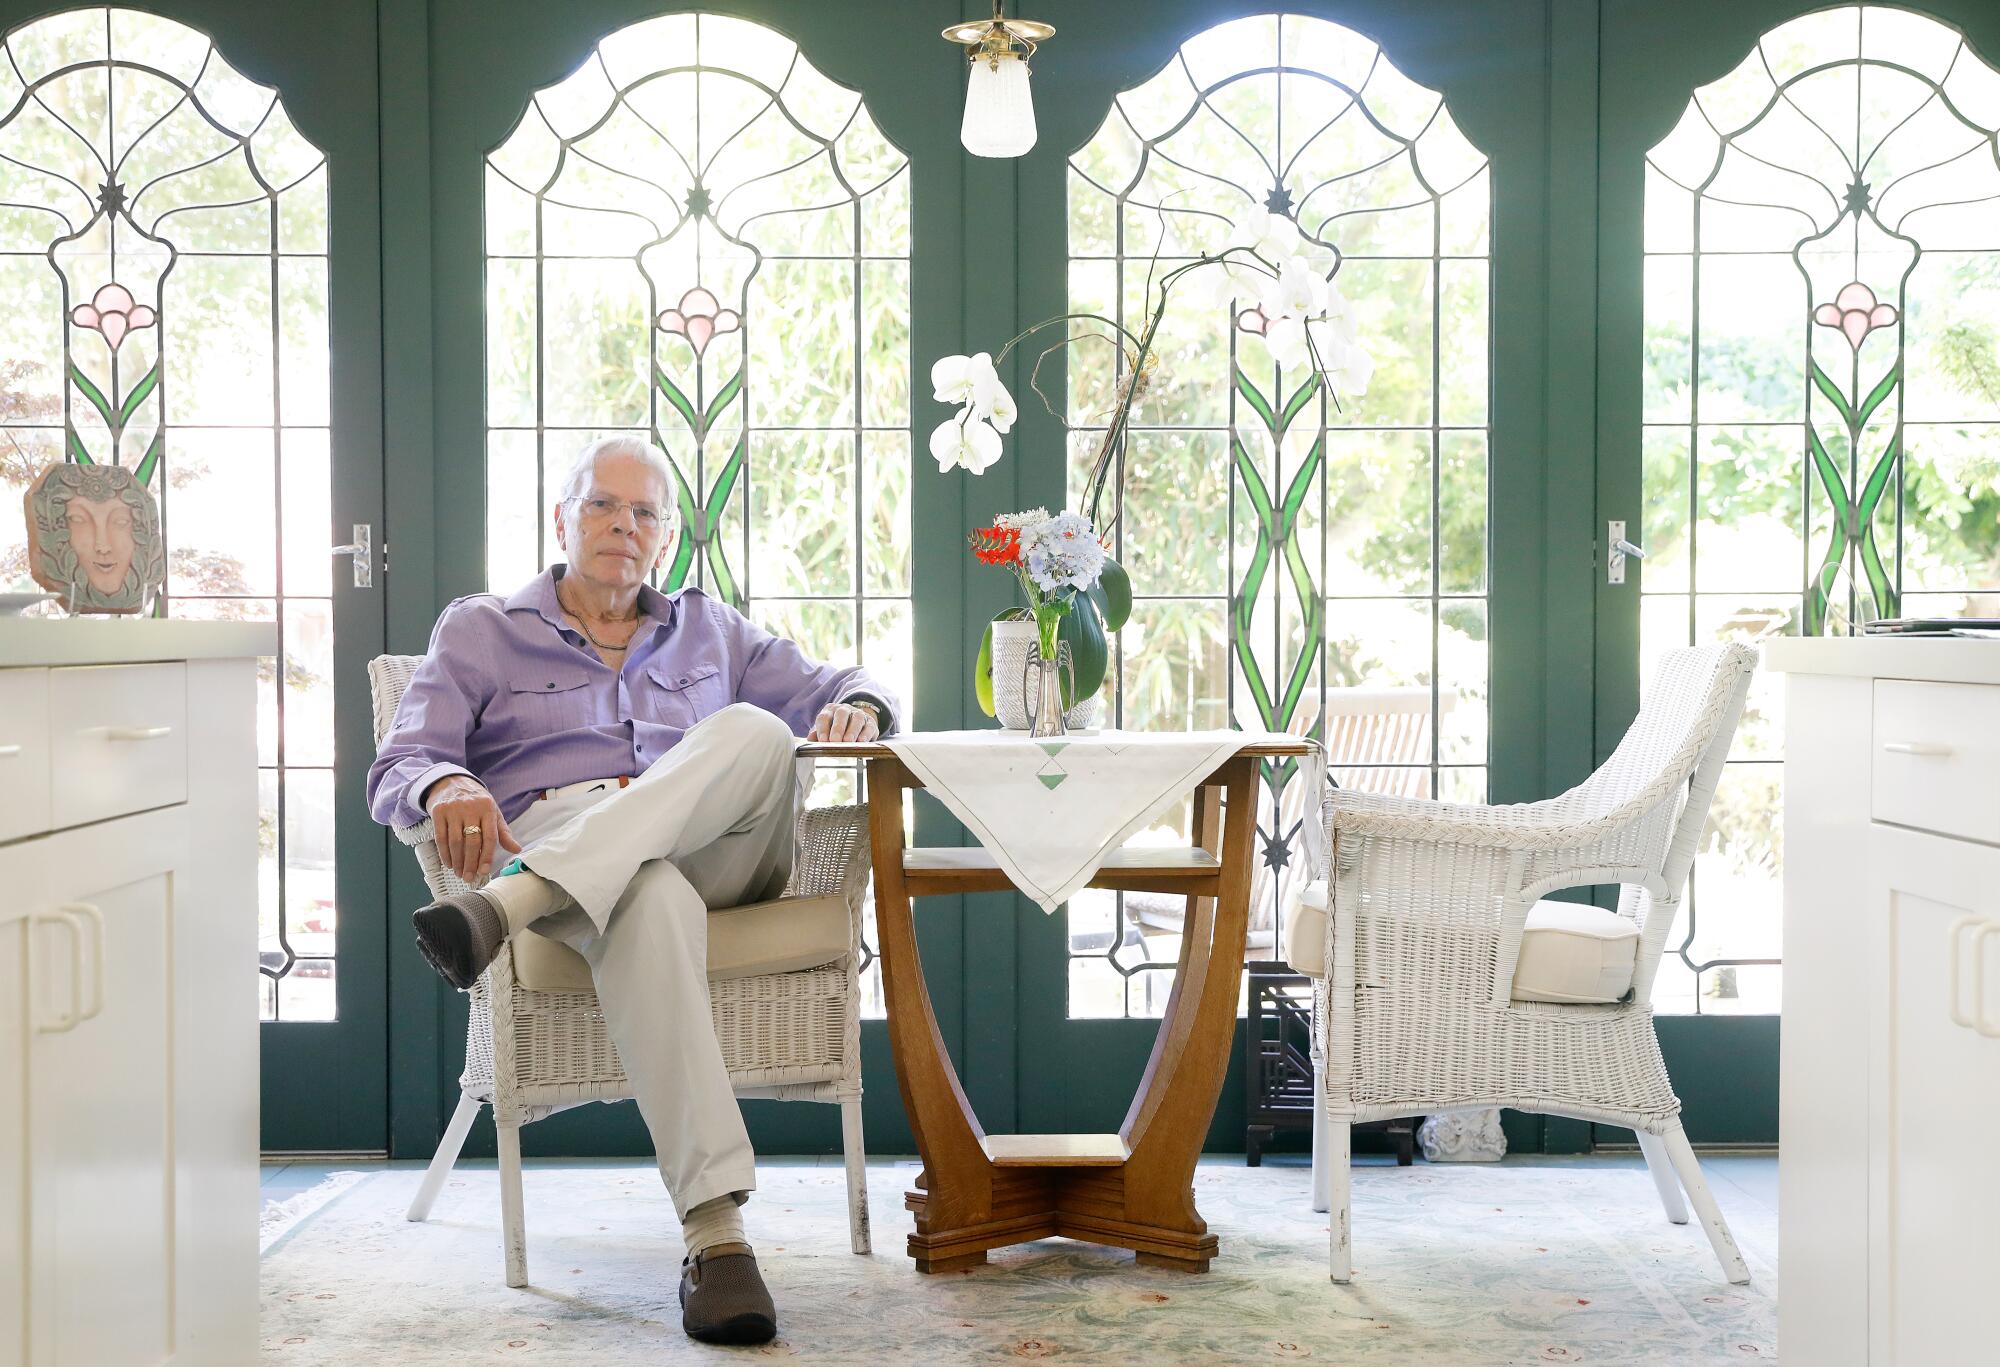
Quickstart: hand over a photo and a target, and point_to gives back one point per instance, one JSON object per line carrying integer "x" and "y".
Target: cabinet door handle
{"x": 1922, "y": 748}
{"x": 9, "y": 751}
{"x": 137, "y": 732}
{"x": 96, "y": 919}
{"x": 70, "y": 1018}
{"x": 1990, "y": 1029}
{"x": 1957, "y": 934}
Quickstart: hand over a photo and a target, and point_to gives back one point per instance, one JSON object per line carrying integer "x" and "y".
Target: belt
{"x": 593, "y": 785}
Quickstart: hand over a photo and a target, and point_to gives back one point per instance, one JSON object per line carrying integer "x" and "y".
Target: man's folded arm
{"x": 779, "y": 678}
{"x": 426, "y": 743}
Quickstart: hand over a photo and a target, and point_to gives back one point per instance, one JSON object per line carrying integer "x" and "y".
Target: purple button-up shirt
{"x": 512, "y": 696}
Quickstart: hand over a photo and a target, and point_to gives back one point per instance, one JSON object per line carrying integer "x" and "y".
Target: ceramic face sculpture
{"x": 94, "y": 537}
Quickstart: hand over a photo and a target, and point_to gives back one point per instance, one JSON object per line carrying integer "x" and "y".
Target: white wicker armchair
{"x": 792, "y": 1036}
{"x": 1417, "y": 1008}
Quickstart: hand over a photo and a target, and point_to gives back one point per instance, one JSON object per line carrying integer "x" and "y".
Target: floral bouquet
{"x": 1076, "y": 592}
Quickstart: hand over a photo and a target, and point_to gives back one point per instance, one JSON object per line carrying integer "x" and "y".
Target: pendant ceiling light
{"x": 999, "y": 110}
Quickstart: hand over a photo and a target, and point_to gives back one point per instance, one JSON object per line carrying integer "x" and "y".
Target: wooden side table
{"x": 1132, "y": 1189}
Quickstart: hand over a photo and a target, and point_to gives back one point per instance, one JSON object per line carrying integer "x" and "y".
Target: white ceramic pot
{"x": 1013, "y": 643}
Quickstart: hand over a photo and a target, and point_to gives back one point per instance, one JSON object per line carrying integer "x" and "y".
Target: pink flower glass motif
{"x": 113, "y": 313}
{"x": 1253, "y": 320}
{"x": 700, "y": 318}
{"x": 1855, "y": 313}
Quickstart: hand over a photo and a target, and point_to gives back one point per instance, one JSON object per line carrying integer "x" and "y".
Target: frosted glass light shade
{"x": 999, "y": 110}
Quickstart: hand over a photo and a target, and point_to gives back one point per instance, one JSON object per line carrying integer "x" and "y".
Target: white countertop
{"x": 28, "y": 641}
{"x": 1949, "y": 659}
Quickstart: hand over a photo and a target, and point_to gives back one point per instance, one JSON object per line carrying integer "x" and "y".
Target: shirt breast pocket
{"x": 681, "y": 697}
{"x": 550, "y": 700}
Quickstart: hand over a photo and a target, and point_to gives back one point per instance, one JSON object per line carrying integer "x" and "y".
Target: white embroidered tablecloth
{"x": 1051, "y": 811}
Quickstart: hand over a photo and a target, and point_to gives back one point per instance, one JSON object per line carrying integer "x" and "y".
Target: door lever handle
{"x": 1624, "y": 547}
{"x": 362, "y": 549}
{"x": 1616, "y": 549}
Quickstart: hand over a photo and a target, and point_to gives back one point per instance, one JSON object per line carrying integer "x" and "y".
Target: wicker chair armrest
{"x": 1534, "y": 827}
{"x": 833, "y": 854}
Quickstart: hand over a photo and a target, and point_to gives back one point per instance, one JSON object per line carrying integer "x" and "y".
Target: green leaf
{"x": 724, "y": 584}
{"x": 151, "y": 460}
{"x": 1882, "y": 390}
{"x": 1878, "y": 479}
{"x": 140, "y": 392}
{"x": 94, "y": 394}
{"x": 1299, "y": 399}
{"x": 730, "y": 389}
{"x": 1829, "y": 478}
{"x": 725, "y": 481}
{"x": 1084, "y": 630}
{"x": 76, "y": 450}
{"x": 1113, "y": 595}
{"x": 678, "y": 400}
{"x": 1301, "y": 485}
{"x": 1833, "y": 394}
{"x": 1256, "y": 400}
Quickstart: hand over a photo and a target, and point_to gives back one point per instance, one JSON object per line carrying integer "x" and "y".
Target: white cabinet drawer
{"x": 24, "y": 752}
{"x": 1937, "y": 757}
{"x": 118, "y": 740}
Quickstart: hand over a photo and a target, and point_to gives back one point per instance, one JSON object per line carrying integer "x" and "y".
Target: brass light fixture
{"x": 999, "y": 109}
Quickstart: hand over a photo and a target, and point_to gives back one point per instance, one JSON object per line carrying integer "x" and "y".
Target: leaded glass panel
{"x": 1339, "y": 569}
{"x": 1822, "y": 277}
{"x": 699, "y": 238}
{"x": 163, "y": 305}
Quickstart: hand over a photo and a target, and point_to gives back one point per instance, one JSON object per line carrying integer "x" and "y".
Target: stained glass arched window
{"x": 1295, "y": 565}
{"x": 163, "y": 305}
{"x": 699, "y": 238}
{"x": 1822, "y": 395}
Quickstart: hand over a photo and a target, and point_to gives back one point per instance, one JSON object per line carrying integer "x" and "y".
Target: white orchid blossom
{"x": 1298, "y": 292}
{"x": 1272, "y": 236}
{"x": 961, "y": 379}
{"x": 992, "y": 402}
{"x": 1286, "y": 340}
{"x": 965, "y": 440}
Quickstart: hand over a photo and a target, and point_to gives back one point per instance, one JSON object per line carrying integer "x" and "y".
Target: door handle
{"x": 96, "y": 918}
{"x": 137, "y": 732}
{"x": 70, "y": 1018}
{"x": 362, "y": 549}
{"x": 1923, "y": 748}
{"x": 9, "y": 751}
{"x": 1990, "y": 1029}
{"x": 1617, "y": 549}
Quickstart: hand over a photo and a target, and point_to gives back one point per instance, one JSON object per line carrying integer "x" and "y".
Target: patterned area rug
{"x": 1453, "y": 1265}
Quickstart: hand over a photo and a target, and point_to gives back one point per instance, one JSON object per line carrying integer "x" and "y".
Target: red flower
{"x": 997, "y": 545}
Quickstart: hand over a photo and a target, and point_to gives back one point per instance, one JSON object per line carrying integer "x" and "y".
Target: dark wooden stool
{"x": 1277, "y": 1065}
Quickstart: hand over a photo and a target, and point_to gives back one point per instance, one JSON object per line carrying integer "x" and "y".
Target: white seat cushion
{"x": 784, "y": 936}
{"x": 1569, "y": 952}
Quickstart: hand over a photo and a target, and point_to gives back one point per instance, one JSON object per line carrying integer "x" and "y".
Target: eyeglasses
{"x": 602, "y": 508}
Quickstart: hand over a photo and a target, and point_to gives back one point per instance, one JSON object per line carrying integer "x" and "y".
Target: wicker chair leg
{"x": 445, "y": 1157}
{"x": 1719, "y": 1237}
{"x": 1340, "y": 1201}
{"x": 513, "y": 1222}
{"x": 1319, "y": 1194}
{"x": 857, "y": 1173}
{"x": 1662, "y": 1169}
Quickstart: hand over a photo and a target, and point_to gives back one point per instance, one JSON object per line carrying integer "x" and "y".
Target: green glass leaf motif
{"x": 1882, "y": 390}
{"x": 96, "y": 396}
{"x": 1833, "y": 395}
{"x": 1299, "y": 399}
{"x": 151, "y": 460}
{"x": 140, "y": 393}
{"x": 720, "y": 403}
{"x": 688, "y": 542}
{"x": 1255, "y": 398}
{"x": 673, "y": 395}
{"x": 77, "y": 452}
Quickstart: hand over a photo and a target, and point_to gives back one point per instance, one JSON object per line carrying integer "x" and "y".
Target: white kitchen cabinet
{"x": 1889, "y": 1201}
{"x": 128, "y": 1023}
{"x": 1934, "y": 1206}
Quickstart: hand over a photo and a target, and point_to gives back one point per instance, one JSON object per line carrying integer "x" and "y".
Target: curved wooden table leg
{"x": 965, "y": 1205}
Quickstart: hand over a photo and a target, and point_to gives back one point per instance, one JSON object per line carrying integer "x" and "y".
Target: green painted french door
{"x": 189, "y": 270}
{"x": 1799, "y": 264}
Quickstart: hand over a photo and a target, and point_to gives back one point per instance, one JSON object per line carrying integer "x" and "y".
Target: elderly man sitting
{"x": 635, "y": 751}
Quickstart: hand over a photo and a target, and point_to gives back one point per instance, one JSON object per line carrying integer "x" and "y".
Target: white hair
{"x": 577, "y": 481}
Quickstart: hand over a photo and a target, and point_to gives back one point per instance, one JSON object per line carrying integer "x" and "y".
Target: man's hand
{"x": 844, "y": 721}
{"x": 467, "y": 825}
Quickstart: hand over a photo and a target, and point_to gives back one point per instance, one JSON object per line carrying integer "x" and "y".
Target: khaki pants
{"x": 709, "y": 825}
